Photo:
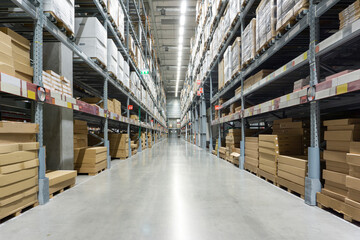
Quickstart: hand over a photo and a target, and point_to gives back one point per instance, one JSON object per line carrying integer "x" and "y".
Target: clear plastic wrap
{"x": 236, "y": 56}
{"x": 248, "y": 43}
{"x": 285, "y": 11}
{"x": 350, "y": 14}
{"x": 265, "y": 23}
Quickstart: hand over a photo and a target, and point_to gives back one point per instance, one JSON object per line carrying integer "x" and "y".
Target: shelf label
{"x": 218, "y": 107}
{"x": 198, "y": 82}
{"x": 201, "y": 90}
{"x": 130, "y": 107}
{"x": 198, "y": 93}
{"x": 342, "y": 89}
{"x": 145, "y": 72}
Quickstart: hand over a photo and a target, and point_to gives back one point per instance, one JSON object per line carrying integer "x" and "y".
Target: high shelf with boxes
{"x": 106, "y": 87}
{"x": 303, "y": 67}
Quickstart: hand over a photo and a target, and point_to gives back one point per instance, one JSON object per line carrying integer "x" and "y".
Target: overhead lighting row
{"x": 181, "y": 42}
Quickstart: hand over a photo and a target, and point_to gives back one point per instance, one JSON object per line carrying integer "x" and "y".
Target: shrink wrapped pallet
{"x": 112, "y": 57}
{"x": 113, "y": 10}
{"x": 63, "y": 11}
{"x": 284, "y": 12}
{"x": 265, "y": 23}
{"x": 350, "y": 14}
{"x": 236, "y": 56}
{"x": 248, "y": 43}
{"x": 227, "y": 65}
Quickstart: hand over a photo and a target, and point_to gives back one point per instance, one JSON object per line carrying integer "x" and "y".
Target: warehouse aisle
{"x": 176, "y": 191}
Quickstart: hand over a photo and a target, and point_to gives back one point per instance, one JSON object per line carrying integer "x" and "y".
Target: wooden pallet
{"x": 349, "y": 213}
{"x": 93, "y": 173}
{"x": 247, "y": 63}
{"x": 19, "y": 211}
{"x": 112, "y": 75}
{"x": 99, "y": 62}
{"x": 266, "y": 176}
{"x": 61, "y": 191}
{"x": 60, "y": 24}
{"x": 291, "y": 22}
{"x": 266, "y": 46}
{"x": 291, "y": 187}
{"x": 250, "y": 168}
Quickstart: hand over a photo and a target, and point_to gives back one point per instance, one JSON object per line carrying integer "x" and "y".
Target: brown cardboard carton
{"x": 18, "y": 127}
{"x": 16, "y": 37}
{"x": 335, "y": 156}
{"x": 340, "y": 146}
{"x": 292, "y": 170}
{"x": 22, "y": 200}
{"x": 17, "y": 157}
{"x": 28, "y": 146}
{"x": 8, "y": 148}
{"x": 291, "y": 177}
{"x": 341, "y": 122}
{"x": 293, "y": 161}
{"x": 9, "y": 190}
{"x": 355, "y": 147}
{"x": 352, "y": 127}
{"x": 342, "y": 135}
{"x": 353, "y": 183}
{"x": 19, "y": 166}
{"x": 6, "y": 179}
{"x": 354, "y": 195}
{"x": 353, "y": 159}
{"x": 354, "y": 171}
{"x": 337, "y": 166}
{"x": 332, "y": 194}
{"x": 334, "y": 177}
{"x": 336, "y": 188}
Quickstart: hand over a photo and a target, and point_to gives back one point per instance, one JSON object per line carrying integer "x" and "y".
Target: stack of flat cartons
{"x": 91, "y": 37}
{"x": 251, "y": 154}
{"x": 353, "y": 180}
{"x": 222, "y": 152}
{"x": 135, "y": 117}
{"x": 119, "y": 145}
{"x": 265, "y": 23}
{"x": 339, "y": 135}
{"x": 56, "y": 83}
{"x": 100, "y": 103}
{"x": 117, "y": 106}
{"x": 134, "y": 145}
{"x": 63, "y": 11}
{"x": 60, "y": 180}
{"x": 227, "y": 65}
{"x": 248, "y": 43}
{"x": 143, "y": 140}
{"x": 236, "y": 57}
{"x": 112, "y": 58}
{"x": 270, "y": 147}
{"x": 80, "y": 134}
{"x": 66, "y": 87}
{"x": 20, "y": 54}
{"x": 350, "y": 14}
{"x": 149, "y": 139}
{"x": 221, "y": 75}
{"x": 235, "y": 107}
{"x": 302, "y": 83}
{"x": 18, "y": 167}
{"x": 90, "y": 160}
{"x": 288, "y": 127}
{"x": 292, "y": 171}
{"x": 232, "y": 140}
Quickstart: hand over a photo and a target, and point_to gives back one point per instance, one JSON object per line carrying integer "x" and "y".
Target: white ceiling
{"x": 165, "y": 30}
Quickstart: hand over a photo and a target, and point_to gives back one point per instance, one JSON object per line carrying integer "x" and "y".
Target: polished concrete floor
{"x": 175, "y": 191}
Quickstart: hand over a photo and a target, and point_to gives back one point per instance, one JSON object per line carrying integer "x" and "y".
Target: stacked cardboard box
{"x": 90, "y": 160}
{"x": 119, "y": 145}
{"x": 236, "y": 56}
{"x": 232, "y": 140}
{"x": 149, "y": 139}
{"x": 251, "y": 154}
{"x": 15, "y": 55}
{"x": 60, "y": 179}
{"x": 222, "y": 152}
{"x": 235, "y": 107}
{"x": 248, "y": 43}
{"x": 56, "y": 83}
{"x": 221, "y": 75}
{"x": 353, "y": 179}
{"x": 227, "y": 65}
{"x": 63, "y": 11}
{"x": 117, "y": 106}
{"x": 18, "y": 167}
{"x": 339, "y": 135}
{"x": 112, "y": 58}
{"x": 143, "y": 140}
{"x": 288, "y": 127}
{"x": 292, "y": 172}
{"x": 250, "y": 81}
{"x": 91, "y": 37}
{"x": 99, "y": 102}
{"x": 113, "y": 11}
{"x": 265, "y": 23}
{"x": 80, "y": 134}
{"x": 350, "y": 14}
{"x": 288, "y": 10}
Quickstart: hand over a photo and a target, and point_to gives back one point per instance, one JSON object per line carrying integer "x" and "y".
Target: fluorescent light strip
{"x": 181, "y": 41}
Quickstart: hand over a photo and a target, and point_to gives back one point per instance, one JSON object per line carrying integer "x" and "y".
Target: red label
{"x": 198, "y": 93}
{"x": 198, "y": 82}
{"x": 189, "y": 124}
{"x": 201, "y": 90}
{"x": 130, "y": 107}
{"x": 218, "y": 107}
{"x": 152, "y": 120}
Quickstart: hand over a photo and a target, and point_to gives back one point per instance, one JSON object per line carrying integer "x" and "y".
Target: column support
{"x": 211, "y": 118}
{"x": 312, "y": 181}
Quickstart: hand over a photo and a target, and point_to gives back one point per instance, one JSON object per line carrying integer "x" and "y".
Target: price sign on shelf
{"x": 201, "y": 90}
{"x": 198, "y": 93}
{"x": 130, "y": 107}
{"x": 218, "y": 107}
{"x": 198, "y": 82}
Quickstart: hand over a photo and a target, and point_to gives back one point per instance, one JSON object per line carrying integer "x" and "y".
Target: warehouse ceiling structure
{"x": 173, "y": 24}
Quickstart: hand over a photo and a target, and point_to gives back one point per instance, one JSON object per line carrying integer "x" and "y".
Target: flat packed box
{"x": 63, "y": 10}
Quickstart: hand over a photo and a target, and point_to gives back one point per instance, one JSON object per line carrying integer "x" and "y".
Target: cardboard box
{"x": 17, "y": 157}
{"x": 334, "y": 177}
{"x": 355, "y": 147}
{"x": 335, "y": 156}
{"x": 341, "y": 122}
{"x": 19, "y": 166}
{"x": 8, "y": 148}
{"x": 9, "y": 190}
{"x": 11, "y": 178}
{"x": 341, "y": 146}
{"x": 18, "y": 127}
{"x": 353, "y": 159}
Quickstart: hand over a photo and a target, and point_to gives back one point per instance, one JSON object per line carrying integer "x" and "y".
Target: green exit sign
{"x": 144, "y": 72}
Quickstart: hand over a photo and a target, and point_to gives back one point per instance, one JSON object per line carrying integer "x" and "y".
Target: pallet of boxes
{"x": 270, "y": 147}
{"x": 292, "y": 164}
{"x": 251, "y": 154}
{"x": 341, "y": 190}
{"x": 15, "y": 55}
{"x": 232, "y": 141}
{"x": 87, "y": 160}
{"x": 149, "y": 139}
{"x": 18, "y": 167}
{"x": 119, "y": 145}
{"x": 350, "y": 14}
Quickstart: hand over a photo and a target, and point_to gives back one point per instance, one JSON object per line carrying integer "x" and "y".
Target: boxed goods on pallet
{"x": 300, "y": 84}
{"x": 18, "y": 167}
{"x": 91, "y": 37}
{"x": 60, "y": 180}
{"x": 252, "y": 80}
{"x": 121, "y": 25}
{"x": 56, "y": 83}
{"x": 232, "y": 140}
{"x": 119, "y": 145}
{"x": 120, "y": 67}
{"x": 112, "y": 57}
{"x": 235, "y": 107}
{"x": 227, "y": 65}
{"x": 339, "y": 135}
{"x": 15, "y": 55}
{"x": 90, "y": 160}
{"x": 288, "y": 10}
{"x": 236, "y": 57}
{"x": 149, "y": 139}
{"x": 248, "y": 43}
{"x": 251, "y": 154}
{"x": 99, "y": 102}
{"x": 265, "y": 23}
{"x": 117, "y": 106}
{"x": 62, "y": 11}
{"x": 80, "y": 134}
{"x": 349, "y": 14}
{"x": 291, "y": 172}
{"x": 113, "y": 11}
{"x": 221, "y": 76}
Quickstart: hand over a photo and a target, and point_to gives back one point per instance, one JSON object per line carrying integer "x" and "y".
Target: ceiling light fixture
{"x": 183, "y": 7}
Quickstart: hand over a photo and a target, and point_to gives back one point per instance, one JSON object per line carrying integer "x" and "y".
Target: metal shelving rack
{"x": 272, "y": 97}
{"x": 97, "y": 78}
